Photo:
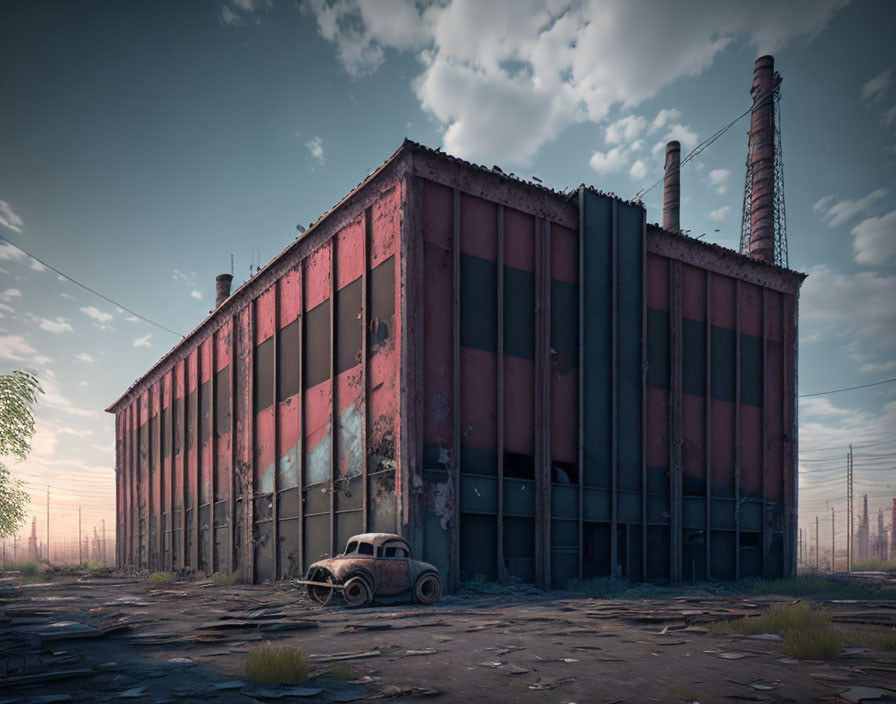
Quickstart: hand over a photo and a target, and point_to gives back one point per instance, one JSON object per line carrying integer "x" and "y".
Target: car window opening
{"x": 365, "y": 549}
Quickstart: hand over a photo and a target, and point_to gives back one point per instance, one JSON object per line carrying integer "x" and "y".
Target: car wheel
{"x": 428, "y": 588}
{"x": 319, "y": 593}
{"x": 357, "y": 592}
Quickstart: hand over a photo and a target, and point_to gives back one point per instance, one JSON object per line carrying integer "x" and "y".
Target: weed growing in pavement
{"x": 879, "y": 638}
{"x": 688, "y": 696}
{"x": 816, "y": 586}
{"x": 815, "y": 642}
{"x": 780, "y": 619}
{"x": 219, "y": 579}
{"x": 341, "y": 672}
{"x": 161, "y": 578}
{"x": 872, "y": 565}
{"x": 283, "y": 665}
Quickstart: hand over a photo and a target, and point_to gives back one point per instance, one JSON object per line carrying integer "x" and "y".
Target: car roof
{"x": 377, "y": 538}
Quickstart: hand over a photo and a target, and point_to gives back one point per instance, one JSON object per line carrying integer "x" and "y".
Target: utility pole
{"x": 80, "y": 556}
{"x": 816, "y": 543}
{"x": 849, "y": 511}
{"x": 104, "y": 542}
{"x": 801, "y": 546}
{"x": 48, "y": 524}
{"x": 833, "y": 551}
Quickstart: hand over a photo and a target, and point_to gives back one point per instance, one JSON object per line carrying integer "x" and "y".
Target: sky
{"x": 144, "y": 145}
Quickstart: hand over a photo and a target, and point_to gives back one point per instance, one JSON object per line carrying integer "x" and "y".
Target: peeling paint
{"x": 319, "y": 461}
{"x": 443, "y": 503}
{"x": 267, "y": 479}
{"x": 289, "y": 467}
{"x": 349, "y": 450}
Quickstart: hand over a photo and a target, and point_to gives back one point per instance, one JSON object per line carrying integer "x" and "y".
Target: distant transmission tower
{"x": 763, "y": 233}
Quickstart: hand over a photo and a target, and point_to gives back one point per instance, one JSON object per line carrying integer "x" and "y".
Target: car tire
{"x": 427, "y": 588}
{"x": 357, "y": 592}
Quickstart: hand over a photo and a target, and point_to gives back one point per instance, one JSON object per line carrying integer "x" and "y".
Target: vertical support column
{"x": 499, "y": 395}
{"x": 275, "y": 496}
{"x": 788, "y": 399}
{"x": 365, "y": 386}
{"x": 171, "y": 478}
{"x": 675, "y": 425}
{"x": 334, "y": 418}
{"x": 150, "y": 554}
{"x": 737, "y": 501}
{"x": 643, "y": 396}
{"x": 231, "y": 405}
{"x": 249, "y": 479}
{"x": 455, "y": 376}
{"x": 581, "y": 390}
{"x": 707, "y": 412}
{"x": 213, "y": 447}
{"x": 542, "y": 404}
{"x": 301, "y": 410}
{"x": 184, "y": 462}
{"x": 197, "y": 448}
{"x": 614, "y": 387}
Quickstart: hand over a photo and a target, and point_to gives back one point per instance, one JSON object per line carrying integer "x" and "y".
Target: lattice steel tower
{"x": 764, "y": 226}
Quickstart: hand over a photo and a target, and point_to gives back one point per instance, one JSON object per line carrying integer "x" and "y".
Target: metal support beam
{"x": 213, "y": 451}
{"x": 300, "y": 518}
{"x": 499, "y": 395}
{"x": 334, "y": 416}
{"x": 365, "y": 366}
{"x": 249, "y": 480}
{"x": 275, "y": 495}
{"x": 737, "y": 501}
{"x": 643, "y": 395}
{"x": 676, "y": 518}
{"x": 580, "y": 436}
{"x": 614, "y": 387}
{"x": 707, "y": 430}
{"x": 231, "y": 507}
{"x": 197, "y": 447}
{"x": 455, "y": 376}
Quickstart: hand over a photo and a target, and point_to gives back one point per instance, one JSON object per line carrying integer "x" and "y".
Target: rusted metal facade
{"x": 524, "y": 384}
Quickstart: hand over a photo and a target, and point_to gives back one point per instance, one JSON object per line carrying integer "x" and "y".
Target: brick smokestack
{"x": 672, "y": 188}
{"x": 222, "y": 288}
{"x": 762, "y": 160}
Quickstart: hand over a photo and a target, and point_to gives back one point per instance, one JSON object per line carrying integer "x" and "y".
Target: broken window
{"x": 365, "y": 549}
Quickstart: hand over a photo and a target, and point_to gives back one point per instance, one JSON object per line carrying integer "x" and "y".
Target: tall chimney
{"x": 672, "y": 188}
{"x": 762, "y": 160}
{"x": 222, "y": 288}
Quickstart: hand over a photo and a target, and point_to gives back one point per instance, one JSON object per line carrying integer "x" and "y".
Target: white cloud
{"x": 7, "y": 308}
{"x": 195, "y": 293}
{"x": 717, "y": 179}
{"x": 84, "y": 357}
{"x": 316, "y": 149}
{"x": 10, "y": 254}
{"x": 131, "y": 319}
{"x": 875, "y": 239}
{"x": 857, "y": 308}
{"x": 505, "y": 78}
{"x": 9, "y": 294}
{"x": 664, "y": 117}
{"x": 57, "y": 325}
{"x": 67, "y": 296}
{"x": 877, "y": 367}
{"x": 37, "y": 266}
{"x": 625, "y": 129}
{"x": 75, "y": 433}
{"x": 15, "y": 349}
{"x": 638, "y": 170}
{"x": 889, "y": 116}
{"x": 82, "y": 383}
{"x": 605, "y": 162}
{"x": 682, "y": 133}
{"x": 143, "y": 341}
{"x": 720, "y": 213}
{"x": 874, "y": 90}
{"x": 9, "y": 219}
{"x": 838, "y": 212}
{"x": 97, "y": 314}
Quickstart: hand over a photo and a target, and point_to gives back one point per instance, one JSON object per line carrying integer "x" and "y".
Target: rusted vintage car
{"x": 373, "y": 565}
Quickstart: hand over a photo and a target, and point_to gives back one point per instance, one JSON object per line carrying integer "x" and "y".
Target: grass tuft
{"x": 872, "y": 565}
{"x": 341, "y": 672}
{"x": 29, "y": 569}
{"x": 816, "y": 642}
{"x": 284, "y": 665}
{"x": 817, "y": 586}
{"x": 219, "y": 579}
{"x": 870, "y": 637}
{"x": 161, "y": 578}
{"x": 688, "y": 695}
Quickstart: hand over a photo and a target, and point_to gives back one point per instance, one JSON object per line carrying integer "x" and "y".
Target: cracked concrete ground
{"x": 187, "y": 641}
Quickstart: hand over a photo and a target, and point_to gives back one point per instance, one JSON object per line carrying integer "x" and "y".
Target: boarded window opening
{"x": 564, "y": 472}
{"x": 222, "y": 402}
{"x": 382, "y": 303}
{"x": 519, "y": 466}
{"x": 288, "y": 361}
{"x": 348, "y": 326}
{"x": 317, "y": 345}
{"x": 264, "y": 375}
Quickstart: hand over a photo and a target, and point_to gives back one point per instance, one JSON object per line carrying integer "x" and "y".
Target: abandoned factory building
{"x": 523, "y": 383}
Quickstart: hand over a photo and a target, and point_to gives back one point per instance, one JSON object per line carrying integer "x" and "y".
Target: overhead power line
{"x": 849, "y": 388}
{"x": 87, "y": 288}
